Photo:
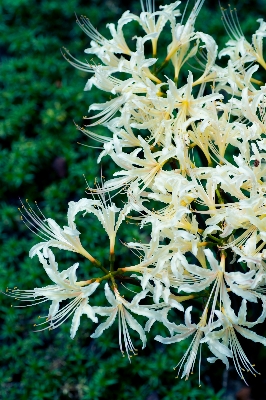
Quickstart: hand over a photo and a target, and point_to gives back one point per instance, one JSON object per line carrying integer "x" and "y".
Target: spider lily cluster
{"x": 186, "y": 131}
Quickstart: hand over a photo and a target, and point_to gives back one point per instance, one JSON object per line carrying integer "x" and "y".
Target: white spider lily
{"x": 106, "y": 212}
{"x": 116, "y": 45}
{"x": 183, "y": 332}
{"x": 138, "y": 170}
{"x": 231, "y": 346}
{"x": 122, "y": 307}
{"x": 68, "y": 238}
{"x": 182, "y": 34}
{"x": 54, "y": 236}
{"x": 154, "y": 21}
{"x": 65, "y": 287}
{"x": 109, "y": 109}
{"x": 191, "y": 164}
{"x": 238, "y": 45}
{"x": 183, "y": 100}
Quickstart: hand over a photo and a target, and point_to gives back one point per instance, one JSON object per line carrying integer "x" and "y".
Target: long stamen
{"x": 36, "y": 222}
{"x": 239, "y": 357}
{"x": 86, "y": 67}
{"x": 192, "y": 349}
{"x": 61, "y": 316}
{"x": 85, "y": 24}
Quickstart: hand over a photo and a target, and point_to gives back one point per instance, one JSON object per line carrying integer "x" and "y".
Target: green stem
{"x": 101, "y": 267}
{"x": 162, "y": 66}
{"x": 215, "y": 239}
{"x": 112, "y": 261}
{"x": 109, "y": 275}
{"x": 180, "y": 299}
{"x": 219, "y": 196}
{"x": 92, "y": 259}
{"x": 205, "y": 244}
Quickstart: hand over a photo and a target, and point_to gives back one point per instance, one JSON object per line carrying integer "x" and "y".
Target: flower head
{"x": 65, "y": 287}
{"x": 121, "y": 307}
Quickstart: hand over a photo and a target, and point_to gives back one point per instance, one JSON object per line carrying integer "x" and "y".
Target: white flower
{"x": 191, "y": 167}
{"x": 120, "y": 306}
{"x": 148, "y": 22}
{"x": 230, "y": 346}
{"x": 238, "y": 46}
{"x": 181, "y": 36}
{"x": 54, "y": 236}
{"x": 68, "y": 238}
{"x": 189, "y": 108}
{"x": 141, "y": 171}
{"x": 65, "y": 287}
{"x": 100, "y": 44}
{"x": 110, "y": 216}
{"x": 184, "y": 331}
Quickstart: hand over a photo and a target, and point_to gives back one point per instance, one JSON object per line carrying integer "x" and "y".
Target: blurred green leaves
{"x": 41, "y": 95}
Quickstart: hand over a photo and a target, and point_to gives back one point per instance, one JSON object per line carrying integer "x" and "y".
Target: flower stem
{"x": 112, "y": 261}
{"x": 219, "y": 196}
{"x": 93, "y": 260}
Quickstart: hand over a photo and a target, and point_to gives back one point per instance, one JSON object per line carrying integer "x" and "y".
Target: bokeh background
{"x": 40, "y": 160}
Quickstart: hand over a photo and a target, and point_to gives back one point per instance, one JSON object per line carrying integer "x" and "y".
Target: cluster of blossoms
{"x": 187, "y": 136}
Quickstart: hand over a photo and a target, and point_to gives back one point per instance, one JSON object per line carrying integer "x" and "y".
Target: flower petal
{"x": 105, "y": 325}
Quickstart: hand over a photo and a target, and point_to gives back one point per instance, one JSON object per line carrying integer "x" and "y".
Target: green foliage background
{"x": 41, "y": 95}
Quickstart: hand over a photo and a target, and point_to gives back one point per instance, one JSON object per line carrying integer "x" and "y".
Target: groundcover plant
{"x": 190, "y": 158}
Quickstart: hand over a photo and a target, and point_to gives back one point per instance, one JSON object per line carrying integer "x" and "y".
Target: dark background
{"x": 41, "y": 96}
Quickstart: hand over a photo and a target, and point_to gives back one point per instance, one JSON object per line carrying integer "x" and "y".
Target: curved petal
{"x": 105, "y": 325}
